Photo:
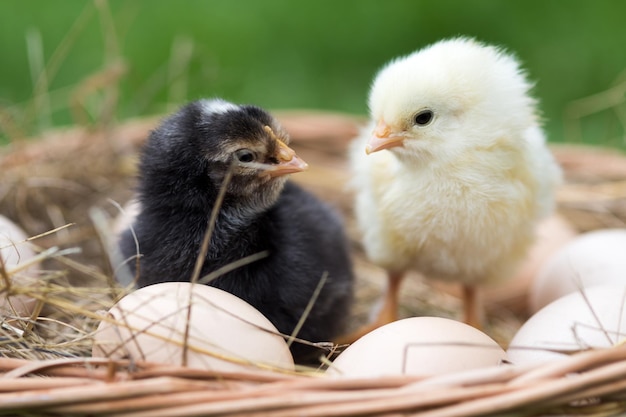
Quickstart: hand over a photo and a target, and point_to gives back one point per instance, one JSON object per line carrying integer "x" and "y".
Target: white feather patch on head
{"x": 218, "y": 106}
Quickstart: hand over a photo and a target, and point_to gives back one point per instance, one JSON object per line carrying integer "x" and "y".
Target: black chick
{"x": 182, "y": 168}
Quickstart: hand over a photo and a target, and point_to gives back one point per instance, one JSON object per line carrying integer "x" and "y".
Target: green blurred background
{"x": 73, "y": 61}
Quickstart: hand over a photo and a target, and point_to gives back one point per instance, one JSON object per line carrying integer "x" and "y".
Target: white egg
{"x": 572, "y": 323}
{"x": 224, "y": 332}
{"x": 16, "y": 252}
{"x": 591, "y": 258}
{"x": 418, "y": 346}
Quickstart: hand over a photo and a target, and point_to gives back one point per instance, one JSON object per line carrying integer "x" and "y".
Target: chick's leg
{"x": 472, "y": 307}
{"x": 389, "y": 309}
{"x": 387, "y": 313}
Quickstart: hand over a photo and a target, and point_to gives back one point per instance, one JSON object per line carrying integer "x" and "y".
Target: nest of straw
{"x": 65, "y": 188}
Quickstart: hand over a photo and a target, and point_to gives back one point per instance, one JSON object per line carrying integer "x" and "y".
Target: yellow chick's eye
{"x": 424, "y": 117}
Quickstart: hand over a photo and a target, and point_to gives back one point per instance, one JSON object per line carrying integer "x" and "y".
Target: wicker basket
{"x": 65, "y": 181}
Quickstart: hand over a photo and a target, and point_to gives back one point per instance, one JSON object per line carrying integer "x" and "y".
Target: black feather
{"x": 182, "y": 168}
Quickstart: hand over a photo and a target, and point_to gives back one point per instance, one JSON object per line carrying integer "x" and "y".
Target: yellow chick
{"x": 454, "y": 173}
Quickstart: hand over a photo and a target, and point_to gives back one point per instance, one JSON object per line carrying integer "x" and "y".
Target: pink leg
{"x": 387, "y": 314}
{"x": 389, "y": 310}
{"x": 472, "y": 311}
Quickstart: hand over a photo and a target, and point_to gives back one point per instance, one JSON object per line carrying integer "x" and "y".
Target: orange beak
{"x": 288, "y": 162}
{"x": 383, "y": 138}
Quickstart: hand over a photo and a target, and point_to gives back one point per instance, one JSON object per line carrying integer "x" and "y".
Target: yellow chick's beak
{"x": 383, "y": 138}
{"x": 288, "y": 162}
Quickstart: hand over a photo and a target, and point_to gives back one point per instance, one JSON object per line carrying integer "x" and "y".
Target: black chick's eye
{"x": 245, "y": 155}
{"x": 424, "y": 117}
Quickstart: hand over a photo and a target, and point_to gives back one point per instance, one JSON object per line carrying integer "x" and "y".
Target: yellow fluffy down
{"x": 460, "y": 198}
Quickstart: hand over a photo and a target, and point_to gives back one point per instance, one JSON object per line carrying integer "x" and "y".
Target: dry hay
{"x": 72, "y": 182}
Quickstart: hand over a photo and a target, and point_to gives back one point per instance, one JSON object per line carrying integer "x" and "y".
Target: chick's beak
{"x": 383, "y": 137}
{"x": 288, "y": 162}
